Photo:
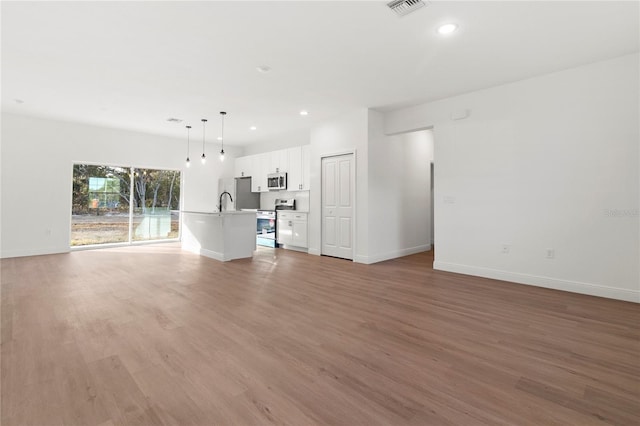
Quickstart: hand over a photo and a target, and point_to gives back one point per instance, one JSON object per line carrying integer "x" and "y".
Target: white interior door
{"x": 338, "y": 198}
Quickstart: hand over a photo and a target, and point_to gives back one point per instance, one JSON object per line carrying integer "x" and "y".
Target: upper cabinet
{"x": 243, "y": 167}
{"x": 306, "y": 167}
{"x": 294, "y": 175}
{"x": 259, "y": 169}
{"x": 299, "y": 165}
{"x": 293, "y": 161}
{"x": 278, "y": 161}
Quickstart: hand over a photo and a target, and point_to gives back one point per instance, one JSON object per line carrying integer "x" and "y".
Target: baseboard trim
{"x": 541, "y": 281}
{"x": 295, "y": 248}
{"x": 368, "y": 260}
{"x": 213, "y": 254}
{"x": 33, "y": 252}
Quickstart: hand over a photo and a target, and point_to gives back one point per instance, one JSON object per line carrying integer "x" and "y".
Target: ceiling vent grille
{"x": 174, "y": 120}
{"x": 404, "y": 7}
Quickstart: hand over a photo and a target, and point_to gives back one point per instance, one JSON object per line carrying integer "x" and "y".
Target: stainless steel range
{"x": 267, "y": 222}
{"x": 266, "y": 228}
{"x": 285, "y": 203}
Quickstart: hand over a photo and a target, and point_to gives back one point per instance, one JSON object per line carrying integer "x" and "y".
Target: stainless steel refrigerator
{"x": 244, "y": 198}
{"x": 240, "y": 190}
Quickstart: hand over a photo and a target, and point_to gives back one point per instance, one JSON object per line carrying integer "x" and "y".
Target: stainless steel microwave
{"x": 276, "y": 181}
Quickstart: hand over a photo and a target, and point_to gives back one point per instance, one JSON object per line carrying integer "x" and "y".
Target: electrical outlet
{"x": 47, "y": 232}
{"x": 506, "y": 248}
{"x": 550, "y": 253}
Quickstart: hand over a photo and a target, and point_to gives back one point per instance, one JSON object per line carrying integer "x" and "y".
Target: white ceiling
{"x": 132, "y": 65}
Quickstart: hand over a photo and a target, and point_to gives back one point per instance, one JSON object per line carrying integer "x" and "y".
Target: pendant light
{"x": 222, "y": 114}
{"x": 203, "y": 157}
{"x": 188, "y": 161}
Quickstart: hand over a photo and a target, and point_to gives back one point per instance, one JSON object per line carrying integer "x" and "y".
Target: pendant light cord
{"x": 222, "y": 113}
{"x": 203, "y": 157}
{"x": 204, "y": 121}
{"x": 188, "y": 128}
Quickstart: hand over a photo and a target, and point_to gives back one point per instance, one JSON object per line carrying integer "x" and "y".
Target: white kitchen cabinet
{"x": 278, "y": 161}
{"x": 306, "y": 167}
{"x": 298, "y": 176}
{"x": 242, "y": 167}
{"x": 293, "y": 161}
{"x": 294, "y": 174}
{"x": 259, "y": 167}
{"x": 284, "y": 231}
{"x": 292, "y": 229}
{"x": 300, "y": 238}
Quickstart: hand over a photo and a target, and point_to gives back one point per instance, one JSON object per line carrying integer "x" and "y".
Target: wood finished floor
{"x": 151, "y": 335}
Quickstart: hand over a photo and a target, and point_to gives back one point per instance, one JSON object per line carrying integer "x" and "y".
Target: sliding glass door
{"x": 100, "y": 205}
{"x": 123, "y": 204}
{"x": 156, "y": 215}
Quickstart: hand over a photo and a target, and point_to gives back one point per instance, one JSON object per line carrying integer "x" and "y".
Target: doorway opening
{"x": 432, "y": 207}
{"x": 410, "y": 187}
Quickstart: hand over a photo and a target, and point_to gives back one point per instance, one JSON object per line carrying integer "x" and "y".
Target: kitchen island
{"x": 221, "y": 236}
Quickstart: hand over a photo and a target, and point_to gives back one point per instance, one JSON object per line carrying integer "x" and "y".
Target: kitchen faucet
{"x": 221, "y": 195}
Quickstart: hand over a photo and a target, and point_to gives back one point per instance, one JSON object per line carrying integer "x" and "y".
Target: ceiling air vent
{"x": 174, "y": 120}
{"x": 404, "y": 7}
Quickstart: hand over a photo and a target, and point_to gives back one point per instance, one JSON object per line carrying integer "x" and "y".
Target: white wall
{"x": 201, "y": 190}
{"x": 549, "y": 162}
{"x": 37, "y": 159}
{"x": 392, "y": 185}
{"x": 343, "y": 134}
{"x": 399, "y": 191}
{"x": 285, "y": 140}
{"x": 268, "y": 199}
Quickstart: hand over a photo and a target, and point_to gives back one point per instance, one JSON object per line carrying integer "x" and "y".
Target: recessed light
{"x": 219, "y": 138}
{"x": 447, "y": 29}
{"x": 253, "y": 128}
{"x": 263, "y": 68}
{"x": 303, "y": 112}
